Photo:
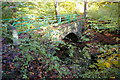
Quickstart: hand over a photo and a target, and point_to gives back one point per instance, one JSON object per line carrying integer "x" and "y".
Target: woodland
{"x": 31, "y": 50}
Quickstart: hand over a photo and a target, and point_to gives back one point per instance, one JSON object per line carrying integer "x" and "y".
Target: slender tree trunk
{"x": 85, "y": 8}
{"x": 85, "y": 12}
{"x": 56, "y": 9}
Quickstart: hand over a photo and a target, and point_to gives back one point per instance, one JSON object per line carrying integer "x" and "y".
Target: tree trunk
{"x": 56, "y": 9}
{"x": 85, "y": 8}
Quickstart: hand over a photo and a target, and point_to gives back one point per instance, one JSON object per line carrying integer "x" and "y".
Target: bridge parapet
{"x": 45, "y": 26}
{"x": 73, "y": 27}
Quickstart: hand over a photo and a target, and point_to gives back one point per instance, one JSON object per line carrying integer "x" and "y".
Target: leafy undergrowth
{"x": 35, "y": 58}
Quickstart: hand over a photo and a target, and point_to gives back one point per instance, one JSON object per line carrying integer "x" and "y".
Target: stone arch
{"x": 71, "y": 37}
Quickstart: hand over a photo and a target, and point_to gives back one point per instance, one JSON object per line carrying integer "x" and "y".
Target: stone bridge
{"x": 73, "y": 27}
{"x": 62, "y": 30}
{"x": 59, "y": 31}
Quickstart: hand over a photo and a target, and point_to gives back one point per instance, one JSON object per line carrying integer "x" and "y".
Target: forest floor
{"x": 11, "y": 68}
{"x": 105, "y": 38}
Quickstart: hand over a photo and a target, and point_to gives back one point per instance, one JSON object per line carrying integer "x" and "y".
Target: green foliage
{"x": 102, "y": 74}
{"x": 65, "y": 7}
{"x": 104, "y": 11}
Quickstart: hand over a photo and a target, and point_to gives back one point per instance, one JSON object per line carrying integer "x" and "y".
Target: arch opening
{"x": 71, "y": 37}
